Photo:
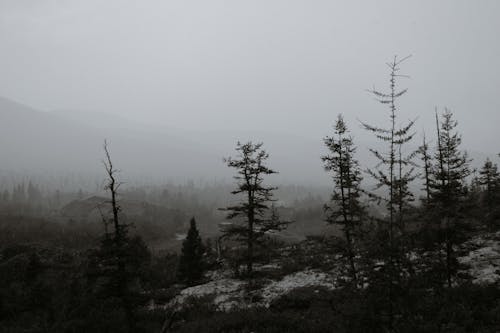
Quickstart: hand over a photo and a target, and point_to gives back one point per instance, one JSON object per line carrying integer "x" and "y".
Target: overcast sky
{"x": 290, "y": 65}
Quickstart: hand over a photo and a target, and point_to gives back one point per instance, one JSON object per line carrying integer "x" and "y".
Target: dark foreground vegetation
{"x": 394, "y": 261}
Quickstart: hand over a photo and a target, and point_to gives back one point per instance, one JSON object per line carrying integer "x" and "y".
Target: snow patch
{"x": 484, "y": 261}
{"x": 226, "y": 293}
{"x": 230, "y": 293}
{"x": 296, "y": 280}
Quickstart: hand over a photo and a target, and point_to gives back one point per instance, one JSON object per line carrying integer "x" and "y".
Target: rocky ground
{"x": 481, "y": 262}
{"x": 229, "y": 293}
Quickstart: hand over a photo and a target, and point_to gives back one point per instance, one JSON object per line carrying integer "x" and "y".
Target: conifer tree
{"x": 345, "y": 208}
{"x": 426, "y": 159}
{"x": 396, "y": 169}
{"x": 191, "y": 259}
{"x": 393, "y": 173}
{"x": 449, "y": 188}
{"x": 489, "y": 180}
{"x": 251, "y": 213}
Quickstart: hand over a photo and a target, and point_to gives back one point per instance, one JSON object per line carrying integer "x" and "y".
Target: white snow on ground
{"x": 484, "y": 260}
{"x": 227, "y": 293}
{"x": 301, "y": 279}
{"x": 231, "y": 293}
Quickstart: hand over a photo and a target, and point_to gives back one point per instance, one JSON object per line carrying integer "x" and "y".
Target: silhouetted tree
{"x": 191, "y": 259}
{"x": 489, "y": 179}
{"x": 395, "y": 170}
{"x": 120, "y": 229}
{"x": 255, "y": 197}
{"x": 426, "y": 159}
{"x": 449, "y": 188}
{"x": 393, "y": 173}
{"x": 119, "y": 259}
{"x": 345, "y": 208}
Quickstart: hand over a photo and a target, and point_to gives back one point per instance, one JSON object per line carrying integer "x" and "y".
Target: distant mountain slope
{"x": 30, "y": 140}
{"x": 68, "y": 142}
{"x": 36, "y": 141}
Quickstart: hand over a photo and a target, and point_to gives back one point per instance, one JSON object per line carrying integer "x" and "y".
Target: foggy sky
{"x": 266, "y": 65}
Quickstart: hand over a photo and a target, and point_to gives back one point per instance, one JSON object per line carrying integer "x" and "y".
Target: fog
{"x": 174, "y": 84}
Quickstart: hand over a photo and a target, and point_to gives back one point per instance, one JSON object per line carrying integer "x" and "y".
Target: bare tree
{"x": 112, "y": 186}
{"x": 117, "y": 249}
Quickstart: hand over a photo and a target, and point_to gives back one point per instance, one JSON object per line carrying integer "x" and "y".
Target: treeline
{"x": 453, "y": 201}
{"x": 400, "y": 267}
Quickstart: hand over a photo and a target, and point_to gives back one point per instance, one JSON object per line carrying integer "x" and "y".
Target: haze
{"x": 204, "y": 74}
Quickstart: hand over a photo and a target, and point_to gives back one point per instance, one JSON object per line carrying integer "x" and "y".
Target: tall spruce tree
{"x": 345, "y": 208}
{"x": 393, "y": 173}
{"x": 449, "y": 187}
{"x": 191, "y": 259}
{"x": 250, "y": 215}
